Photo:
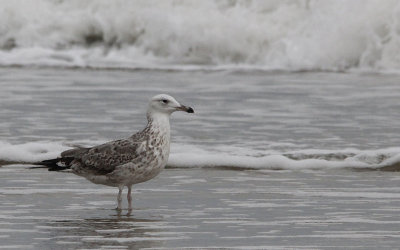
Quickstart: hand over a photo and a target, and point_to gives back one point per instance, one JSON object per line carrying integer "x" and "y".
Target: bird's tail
{"x": 57, "y": 164}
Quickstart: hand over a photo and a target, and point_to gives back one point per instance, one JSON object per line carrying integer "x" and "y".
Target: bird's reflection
{"x": 121, "y": 228}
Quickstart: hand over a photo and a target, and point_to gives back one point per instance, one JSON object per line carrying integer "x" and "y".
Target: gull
{"x": 128, "y": 161}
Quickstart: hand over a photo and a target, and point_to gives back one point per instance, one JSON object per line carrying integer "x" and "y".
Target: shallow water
{"x": 302, "y": 134}
{"x": 330, "y": 119}
{"x": 251, "y": 109}
{"x": 202, "y": 208}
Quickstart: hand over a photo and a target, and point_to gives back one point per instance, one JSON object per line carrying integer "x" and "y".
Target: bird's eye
{"x": 164, "y": 101}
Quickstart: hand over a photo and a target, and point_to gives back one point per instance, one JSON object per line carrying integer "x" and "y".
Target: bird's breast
{"x": 157, "y": 147}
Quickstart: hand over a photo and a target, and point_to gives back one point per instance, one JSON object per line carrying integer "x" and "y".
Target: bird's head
{"x": 166, "y": 104}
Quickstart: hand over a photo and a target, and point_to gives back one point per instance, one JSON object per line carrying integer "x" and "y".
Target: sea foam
{"x": 190, "y": 156}
{"x": 29, "y": 152}
{"x": 292, "y": 35}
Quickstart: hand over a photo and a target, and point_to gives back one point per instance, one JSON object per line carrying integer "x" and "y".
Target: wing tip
{"x": 57, "y": 164}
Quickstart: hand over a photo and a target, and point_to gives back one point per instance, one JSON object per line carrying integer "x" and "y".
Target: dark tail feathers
{"x": 57, "y": 164}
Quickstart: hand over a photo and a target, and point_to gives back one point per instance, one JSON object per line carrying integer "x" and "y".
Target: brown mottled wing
{"x": 106, "y": 157}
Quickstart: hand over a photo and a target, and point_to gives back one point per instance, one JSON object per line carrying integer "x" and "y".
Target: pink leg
{"x": 129, "y": 196}
{"x": 119, "y": 199}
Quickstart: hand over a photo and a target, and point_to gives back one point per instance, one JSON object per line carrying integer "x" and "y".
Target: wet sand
{"x": 199, "y": 208}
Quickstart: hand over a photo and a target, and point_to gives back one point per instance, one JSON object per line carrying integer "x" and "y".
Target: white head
{"x": 166, "y": 104}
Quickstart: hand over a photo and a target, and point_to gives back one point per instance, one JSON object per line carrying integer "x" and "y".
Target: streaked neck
{"x": 159, "y": 121}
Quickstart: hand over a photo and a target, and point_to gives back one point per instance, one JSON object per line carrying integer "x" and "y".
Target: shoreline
{"x": 180, "y": 207}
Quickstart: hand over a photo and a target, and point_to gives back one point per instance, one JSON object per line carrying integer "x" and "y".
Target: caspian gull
{"x": 128, "y": 161}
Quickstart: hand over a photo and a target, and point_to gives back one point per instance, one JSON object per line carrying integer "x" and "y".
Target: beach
{"x": 197, "y": 208}
{"x": 275, "y": 161}
{"x": 294, "y": 143}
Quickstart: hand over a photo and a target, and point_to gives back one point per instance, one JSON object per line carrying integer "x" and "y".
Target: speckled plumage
{"x": 125, "y": 162}
{"x": 128, "y": 161}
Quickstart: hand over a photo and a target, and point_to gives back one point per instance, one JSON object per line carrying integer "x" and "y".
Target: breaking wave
{"x": 292, "y": 35}
{"x": 186, "y": 156}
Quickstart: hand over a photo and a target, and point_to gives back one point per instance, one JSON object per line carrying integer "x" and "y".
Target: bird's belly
{"x": 140, "y": 171}
{"x": 148, "y": 171}
{"x": 145, "y": 175}
{"x": 101, "y": 179}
